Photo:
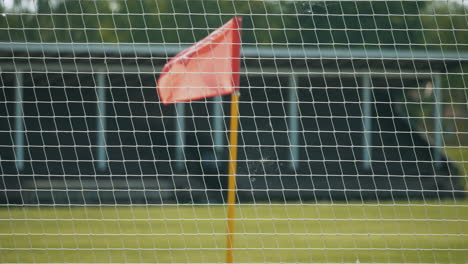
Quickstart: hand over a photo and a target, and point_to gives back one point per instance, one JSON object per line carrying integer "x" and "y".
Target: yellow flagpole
{"x": 234, "y": 124}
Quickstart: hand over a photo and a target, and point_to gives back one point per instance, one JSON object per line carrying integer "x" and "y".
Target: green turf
{"x": 460, "y": 155}
{"x": 421, "y": 232}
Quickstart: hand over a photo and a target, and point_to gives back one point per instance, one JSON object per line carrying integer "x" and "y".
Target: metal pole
{"x": 218, "y": 123}
{"x": 101, "y": 122}
{"x": 367, "y": 122}
{"x": 19, "y": 122}
{"x": 438, "y": 128}
{"x": 293, "y": 121}
{"x": 180, "y": 135}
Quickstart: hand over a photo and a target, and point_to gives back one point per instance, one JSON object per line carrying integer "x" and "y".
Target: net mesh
{"x": 353, "y": 143}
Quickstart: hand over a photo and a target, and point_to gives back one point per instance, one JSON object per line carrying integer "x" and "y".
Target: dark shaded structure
{"x": 348, "y": 138}
{"x": 403, "y": 164}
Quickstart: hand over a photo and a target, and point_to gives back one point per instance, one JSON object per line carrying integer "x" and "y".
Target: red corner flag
{"x": 207, "y": 69}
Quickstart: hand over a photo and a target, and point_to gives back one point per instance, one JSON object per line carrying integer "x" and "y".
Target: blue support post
{"x": 218, "y": 123}
{"x": 367, "y": 121}
{"x": 19, "y": 122}
{"x": 438, "y": 129}
{"x": 101, "y": 122}
{"x": 180, "y": 135}
{"x": 293, "y": 121}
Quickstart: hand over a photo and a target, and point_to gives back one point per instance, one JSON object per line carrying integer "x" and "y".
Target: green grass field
{"x": 460, "y": 156}
{"x": 403, "y": 233}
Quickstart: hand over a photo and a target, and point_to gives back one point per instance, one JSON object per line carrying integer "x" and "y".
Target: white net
{"x": 353, "y": 142}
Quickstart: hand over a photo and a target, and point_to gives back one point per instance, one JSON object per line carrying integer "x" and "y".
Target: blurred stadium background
{"x": 353, "y": 141}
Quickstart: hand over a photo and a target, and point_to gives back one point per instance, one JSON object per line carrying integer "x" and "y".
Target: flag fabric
{"x": 207, "y": 69}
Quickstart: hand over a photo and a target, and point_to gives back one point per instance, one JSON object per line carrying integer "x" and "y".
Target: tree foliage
{"x": 182, "y": 21}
